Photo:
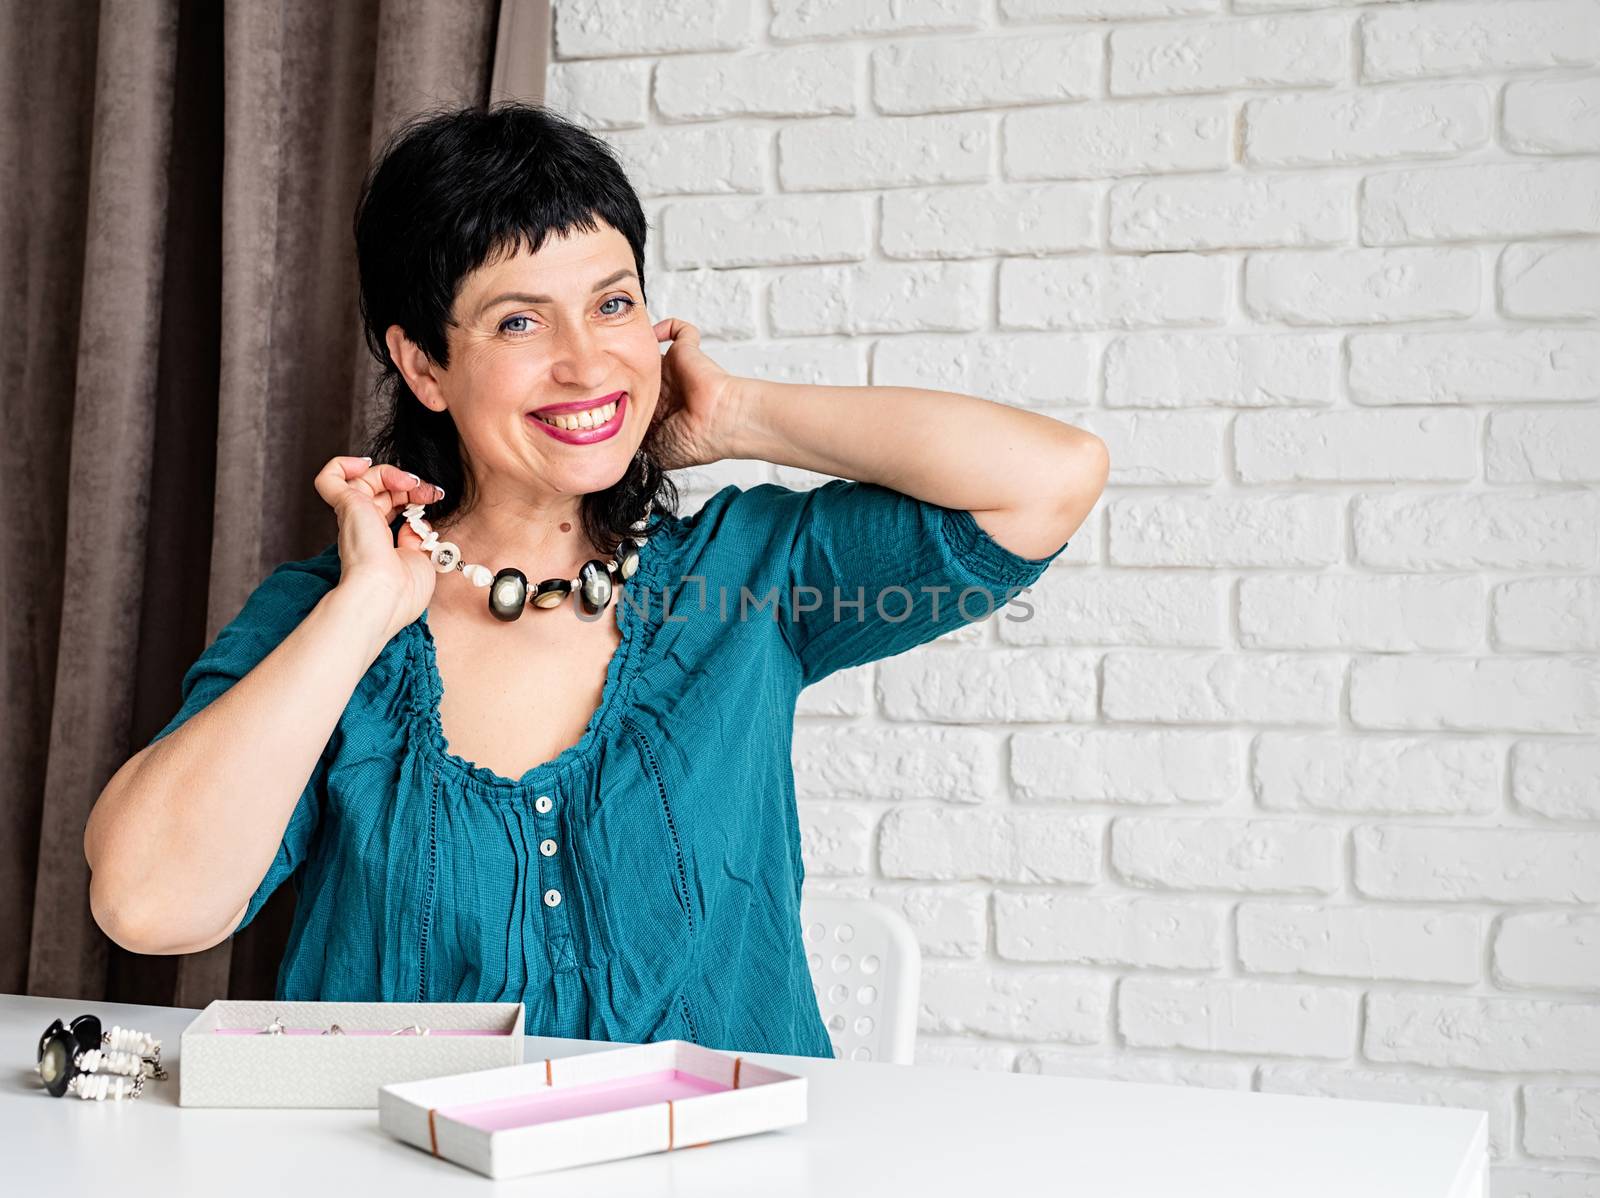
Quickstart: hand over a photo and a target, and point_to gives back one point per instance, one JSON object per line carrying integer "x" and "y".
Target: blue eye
{"x": 505, "y": 325}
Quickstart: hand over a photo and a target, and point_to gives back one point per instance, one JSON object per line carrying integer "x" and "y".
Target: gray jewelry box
{"x": 336, "y": 1071}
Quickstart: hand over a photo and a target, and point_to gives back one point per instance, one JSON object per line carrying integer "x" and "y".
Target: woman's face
{"x": 564, "y": 326}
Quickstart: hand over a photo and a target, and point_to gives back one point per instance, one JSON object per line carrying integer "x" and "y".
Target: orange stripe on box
{"x": 547, "y": 1080}
{"x": 433, "y": 1134}
{"x": 737, "y": 1061}
{"x": 669, "y": 1125}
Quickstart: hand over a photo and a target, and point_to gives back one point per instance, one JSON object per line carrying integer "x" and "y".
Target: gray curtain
{"x": 183, "y": 352}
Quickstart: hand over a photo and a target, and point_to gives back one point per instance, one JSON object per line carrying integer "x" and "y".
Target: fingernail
{"x": 368, "y": 461}
{"x": 415, "y": 479}
{"x": 440, "y": 495}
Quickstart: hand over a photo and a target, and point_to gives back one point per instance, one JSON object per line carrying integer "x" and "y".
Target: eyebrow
{"x": 523, "y": 297}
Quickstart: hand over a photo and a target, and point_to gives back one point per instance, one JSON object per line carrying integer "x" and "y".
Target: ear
{"x": 415, "y": 368}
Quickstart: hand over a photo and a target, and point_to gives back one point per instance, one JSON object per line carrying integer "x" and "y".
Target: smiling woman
{"x": 502, "y": 270}
{"x": 608, "y": 830}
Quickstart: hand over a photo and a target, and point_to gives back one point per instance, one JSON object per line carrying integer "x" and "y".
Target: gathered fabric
{"x": 644, "y": 883}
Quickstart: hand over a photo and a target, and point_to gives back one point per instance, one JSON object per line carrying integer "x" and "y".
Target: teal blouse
{"x": 645, "y": 883}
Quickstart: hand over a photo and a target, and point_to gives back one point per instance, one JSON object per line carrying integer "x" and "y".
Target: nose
{"x": 579, "y": 361}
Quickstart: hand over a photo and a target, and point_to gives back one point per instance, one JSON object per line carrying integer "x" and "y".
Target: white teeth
{"x": 574, "y": 421}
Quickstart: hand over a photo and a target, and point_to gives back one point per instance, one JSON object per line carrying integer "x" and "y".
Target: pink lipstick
{"x": 583, "y": 436}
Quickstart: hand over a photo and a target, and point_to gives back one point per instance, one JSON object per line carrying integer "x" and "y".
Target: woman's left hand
{"x": 697, "y": 408}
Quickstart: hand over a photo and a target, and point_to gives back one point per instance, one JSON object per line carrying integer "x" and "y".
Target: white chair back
{"x": 866, "y": 968}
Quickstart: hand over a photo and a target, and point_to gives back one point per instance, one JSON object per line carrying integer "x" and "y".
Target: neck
{"x": 541, "y": 540}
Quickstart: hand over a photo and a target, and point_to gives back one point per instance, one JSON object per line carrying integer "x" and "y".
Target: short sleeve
{"x": 274, "y": 610}
{"x": 873, "y": 572}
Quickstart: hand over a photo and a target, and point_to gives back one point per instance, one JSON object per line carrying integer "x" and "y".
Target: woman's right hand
{"x": 365, "y": 499}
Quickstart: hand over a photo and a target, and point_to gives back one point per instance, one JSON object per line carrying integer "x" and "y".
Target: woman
{"x": 480, "y": 798}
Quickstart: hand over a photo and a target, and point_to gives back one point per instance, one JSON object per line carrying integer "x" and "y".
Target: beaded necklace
{"x": 509, "y": 592}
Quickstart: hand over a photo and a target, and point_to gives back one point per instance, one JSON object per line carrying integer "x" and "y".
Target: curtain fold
{"x": 111, "y": 419}
{"x": 178, "y": 271}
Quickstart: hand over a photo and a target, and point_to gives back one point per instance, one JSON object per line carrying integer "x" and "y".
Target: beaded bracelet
{"x": 96, "y": 1064}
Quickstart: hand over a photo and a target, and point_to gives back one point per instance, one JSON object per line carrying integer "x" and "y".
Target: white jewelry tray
{"x": 301, "y": 1070}
{"x": 600, "y": 1106}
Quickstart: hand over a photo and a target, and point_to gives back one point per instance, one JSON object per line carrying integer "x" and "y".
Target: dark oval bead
{"x": 508, "y": 594}
{"x": 594, "y": 585}
{"x": 57, "y": 1065}
{"x": 627, "y": 559}
{"x": 55, "y": 1026}
{"x": 552, "y": 592}
{"x": 87, "y": 1029}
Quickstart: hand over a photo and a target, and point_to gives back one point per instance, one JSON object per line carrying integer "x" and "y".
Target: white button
{"x": 552, "y": 898}
{"x": 547, "y": 847}
{"x": 542, "y": 804}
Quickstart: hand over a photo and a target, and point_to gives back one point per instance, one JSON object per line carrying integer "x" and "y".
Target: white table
{"x": 873, "y": 1129}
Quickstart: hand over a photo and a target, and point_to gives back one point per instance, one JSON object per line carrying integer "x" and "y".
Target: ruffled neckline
{"x": 425, "y": 688}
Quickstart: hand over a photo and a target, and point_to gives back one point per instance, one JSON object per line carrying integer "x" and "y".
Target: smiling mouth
{"x": 578, "y": 421}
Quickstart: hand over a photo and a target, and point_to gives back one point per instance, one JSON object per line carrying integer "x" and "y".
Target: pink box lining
{"x": 550, "y": 1103}
{"x": 360, "y": 1031}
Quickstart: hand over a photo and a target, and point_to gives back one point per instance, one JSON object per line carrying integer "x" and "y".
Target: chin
{"x": 599, "y": 472}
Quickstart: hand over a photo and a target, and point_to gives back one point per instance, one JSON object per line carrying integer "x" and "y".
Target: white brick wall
{"x": 1292, "y": 782}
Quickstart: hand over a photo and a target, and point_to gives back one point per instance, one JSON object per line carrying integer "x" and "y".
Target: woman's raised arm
{"x": 185, "y": 831}
{"x": 1027, "y": 479}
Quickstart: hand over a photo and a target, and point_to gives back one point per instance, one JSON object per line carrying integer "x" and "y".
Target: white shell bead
{"x": 126, "y": 1038}
{"x": 430, "y": 539}
{"x": 478, "y": 576}
{"x": 445, "y": 556}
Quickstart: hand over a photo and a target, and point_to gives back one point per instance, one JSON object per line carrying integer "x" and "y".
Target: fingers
{"x": 342, "y": 469}
{"x": 673, "y": 329}
{"x": 403, "y": 484}
{"x": 333, "y": 480}
{"x": 386, "y": 484}
{"x": 426, "y": 493}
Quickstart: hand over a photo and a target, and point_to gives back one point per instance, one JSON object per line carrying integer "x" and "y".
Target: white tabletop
{"x": 872, "y": 1129}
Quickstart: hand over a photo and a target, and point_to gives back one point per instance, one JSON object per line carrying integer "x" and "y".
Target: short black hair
{"x": 453, "y": 189}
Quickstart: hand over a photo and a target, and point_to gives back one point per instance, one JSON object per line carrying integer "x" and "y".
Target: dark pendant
{"x": 552, "y": 592}
{"x": 57, "y": 1062}
{"x": 627, "y": 559}
{"x": 508, "y": 594}
{"x": 55, "y": 1026}
{"x": 87, "y": 1030}
{"x": 594, "y": 585}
